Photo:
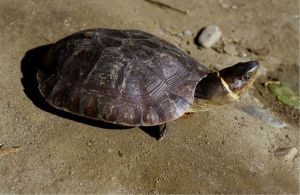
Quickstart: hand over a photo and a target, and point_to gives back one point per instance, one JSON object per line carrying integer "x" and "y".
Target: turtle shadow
{"x": 31, "y": 62}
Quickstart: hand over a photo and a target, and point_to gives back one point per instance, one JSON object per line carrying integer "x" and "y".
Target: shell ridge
{"x": 162, "y": 112}
{"x": 126, "y": 74}
{"x": 173, "y": 79}
{"x": 147, "y": 97}
{"x": 157, "y": 90}
{"x": 71, "y": 57}
{"x": 157, "y": 75}
{"x": 47, "y": 85}
{"x": 161, "y": 69}
{"x": 190, "y": 103}
{"x": 95, "y": 66}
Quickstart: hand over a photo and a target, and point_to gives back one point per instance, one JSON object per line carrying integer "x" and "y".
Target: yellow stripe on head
{"x": 225, "y": 85}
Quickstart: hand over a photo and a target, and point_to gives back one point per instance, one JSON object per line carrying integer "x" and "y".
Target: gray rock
{"x": 264, "y": 115}
{"x": 210, "y": 36}
{"x": 286, "y": 154}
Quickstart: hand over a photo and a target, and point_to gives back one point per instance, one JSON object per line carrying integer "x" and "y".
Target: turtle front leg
{"x": 163, "y": 129}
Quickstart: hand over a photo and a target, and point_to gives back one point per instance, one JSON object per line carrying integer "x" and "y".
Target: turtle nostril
{"x": 251, "y": 66}
{"x": 254, "y": 64}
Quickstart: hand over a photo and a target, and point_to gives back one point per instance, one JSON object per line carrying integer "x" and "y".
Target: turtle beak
{"x": 251, "y": 66}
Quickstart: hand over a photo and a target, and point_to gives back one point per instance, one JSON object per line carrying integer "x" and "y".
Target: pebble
{"x": 223, "y": 4}
{"x": 261, "y": 51}
{"x": 120, "y": 154}
{"x": 242, "y": 54}
{"x": 231, "y": 50}
{"x": 286, "y": 154}
{"x": 264, "y": 115}
{"x": 187, "y": 32}
{"x": 210, "y": 36}
{"x": 234, "y": 7}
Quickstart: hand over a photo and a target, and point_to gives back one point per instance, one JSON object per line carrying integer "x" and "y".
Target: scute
{"x": 125, "y": 77}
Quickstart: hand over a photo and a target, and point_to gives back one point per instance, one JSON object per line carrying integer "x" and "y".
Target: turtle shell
{"x": 125, "y": 77}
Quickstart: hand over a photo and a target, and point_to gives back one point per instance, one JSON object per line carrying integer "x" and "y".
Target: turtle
{"x": 133, "y": 78}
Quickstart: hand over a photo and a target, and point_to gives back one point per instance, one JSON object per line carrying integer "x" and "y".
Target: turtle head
{"x": 226, "y": 85}
{"x": 239, "y": 77}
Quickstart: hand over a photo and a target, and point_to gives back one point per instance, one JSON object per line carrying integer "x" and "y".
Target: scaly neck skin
{"x": 212, "y": 91}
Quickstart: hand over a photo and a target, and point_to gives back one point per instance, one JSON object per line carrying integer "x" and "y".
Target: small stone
{"x": 210, "y": 36}
{"x": 187, "y": 33}
{"x": 109, "y": 150}
{"x": 234, "y": 7}
{"x": 286, "y": 154}
{"x": 262, "y": 51}
{"x": 223, "y": 4}
{"x": 243, "y": 54}
{"x": 264, "y": 115}
{"x": 120, "y": 154}
{"x": 231, "y": 50}
{"x": 90, "y": 143}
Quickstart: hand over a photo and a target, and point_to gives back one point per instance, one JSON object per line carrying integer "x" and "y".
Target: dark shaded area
{"x": 196, "y": 42}
{"x": 30, "y": 64}
{"x": 153, "y": 131}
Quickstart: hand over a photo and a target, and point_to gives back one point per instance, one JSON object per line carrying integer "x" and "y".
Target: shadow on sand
{"x": 30, "y": 64}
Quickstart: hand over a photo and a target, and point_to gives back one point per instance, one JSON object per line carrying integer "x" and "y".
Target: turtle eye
{"x": 247, "y": 77}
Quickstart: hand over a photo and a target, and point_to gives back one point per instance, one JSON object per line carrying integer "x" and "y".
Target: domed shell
{"x": 125, "y": 77}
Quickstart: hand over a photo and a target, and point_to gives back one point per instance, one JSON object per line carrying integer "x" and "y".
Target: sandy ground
{"x": 223, "y": 150}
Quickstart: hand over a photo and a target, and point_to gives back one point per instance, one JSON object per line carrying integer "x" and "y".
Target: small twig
{"x": 271, "y": 82}
{"x": 163, "y": 5}
{"x": 7, "y": 151}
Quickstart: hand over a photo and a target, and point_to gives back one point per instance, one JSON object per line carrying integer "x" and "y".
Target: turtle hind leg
{"x": 157, "y": 131}
{"x": 162, "y": 130}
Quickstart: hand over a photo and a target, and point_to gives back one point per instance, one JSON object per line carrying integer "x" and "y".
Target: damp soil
{"x": 223, "y": 150}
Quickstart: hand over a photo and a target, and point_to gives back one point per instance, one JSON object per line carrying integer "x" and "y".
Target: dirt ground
{"x": 223, "y": 150}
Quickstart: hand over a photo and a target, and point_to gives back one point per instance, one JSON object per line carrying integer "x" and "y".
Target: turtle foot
{"x": 163, "y": 129}
{"x": 158, "y": 131}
